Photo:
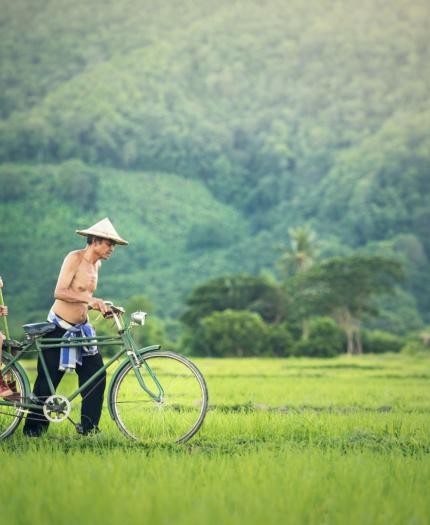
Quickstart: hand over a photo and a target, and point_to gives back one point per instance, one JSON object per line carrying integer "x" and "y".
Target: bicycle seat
{"x": 39, "y": 328}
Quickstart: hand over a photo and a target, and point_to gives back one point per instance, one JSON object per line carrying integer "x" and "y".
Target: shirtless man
{"x": 76, "y": 285}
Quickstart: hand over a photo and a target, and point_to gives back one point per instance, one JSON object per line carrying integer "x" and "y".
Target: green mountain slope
{"x": 207, "y": 129}
{"x": 178, "y": 233}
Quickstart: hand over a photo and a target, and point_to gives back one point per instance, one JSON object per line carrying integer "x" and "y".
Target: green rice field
{"x": 337, "y": 441}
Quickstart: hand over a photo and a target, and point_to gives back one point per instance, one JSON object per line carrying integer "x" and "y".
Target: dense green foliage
{"x": 237, "y": 333}
{"x": 376, "y": 341}
{"x": 155, "y": 212}
{"x": 230, "y": 333}
{"x": 205, "y": 131}
{"x": 286, "y": 441}
{"x": 236, "y": 292}
{"x": 245, "y": 315}
{"x": 325, "y": 339}
{"x": 345, "y": 288}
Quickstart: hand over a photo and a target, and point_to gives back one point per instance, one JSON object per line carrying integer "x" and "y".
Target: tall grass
{"x": 285, "y": 441}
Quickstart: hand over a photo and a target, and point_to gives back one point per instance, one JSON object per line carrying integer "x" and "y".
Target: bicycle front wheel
{"x": 10, "y": 416}
{"x": 176, "y": 416}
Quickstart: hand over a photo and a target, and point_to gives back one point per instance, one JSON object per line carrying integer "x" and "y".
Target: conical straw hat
{"x": 104, "y": 229}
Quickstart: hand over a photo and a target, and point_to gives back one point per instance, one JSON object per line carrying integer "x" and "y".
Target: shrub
{"x": 279, "y": 341}
{"x": 417, "y": 344}
{"x": 414, "y": 347}
{"x": 325, "y": 339}
{"x": 378, "y": 342}
{"x": 230, "y": 333}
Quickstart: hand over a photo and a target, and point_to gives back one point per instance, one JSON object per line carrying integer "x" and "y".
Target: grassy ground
{"x": 291, "y": 441}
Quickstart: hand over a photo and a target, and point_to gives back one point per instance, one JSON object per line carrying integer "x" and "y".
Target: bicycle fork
{"x": 136, "y": 362}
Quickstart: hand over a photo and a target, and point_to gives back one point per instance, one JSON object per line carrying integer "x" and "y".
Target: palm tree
{"x": 299, "y": 257}
{"x": 302, "y": 253}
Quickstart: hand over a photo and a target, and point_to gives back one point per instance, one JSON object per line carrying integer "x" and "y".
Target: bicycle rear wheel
{"x": 173, "y": 419}
{"x": 10, "y": 416}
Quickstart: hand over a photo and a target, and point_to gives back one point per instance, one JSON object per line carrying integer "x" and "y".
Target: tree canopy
{"x": 206, "y": 130}
{"x": 344, "y": 287}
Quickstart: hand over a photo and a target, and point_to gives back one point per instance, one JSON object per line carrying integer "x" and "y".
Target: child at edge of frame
{"x": 5, "y": 391}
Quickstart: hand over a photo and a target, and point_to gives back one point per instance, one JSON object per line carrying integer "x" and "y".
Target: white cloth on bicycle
{"x": 72, "y": 355}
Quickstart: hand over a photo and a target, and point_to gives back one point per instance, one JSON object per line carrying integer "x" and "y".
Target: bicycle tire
{"x": 183, "y": 408}
{"x": 10, "y": 417}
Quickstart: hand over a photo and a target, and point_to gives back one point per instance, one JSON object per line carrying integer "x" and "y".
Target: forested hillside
{"x": 205, "y": 130}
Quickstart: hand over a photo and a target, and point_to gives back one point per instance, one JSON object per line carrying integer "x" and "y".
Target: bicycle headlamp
{"x": 138, "y": 318}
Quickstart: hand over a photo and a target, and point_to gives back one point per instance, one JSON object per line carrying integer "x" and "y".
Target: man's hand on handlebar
{"x": 118, "y": 310}
{"x": 99, "y": 304}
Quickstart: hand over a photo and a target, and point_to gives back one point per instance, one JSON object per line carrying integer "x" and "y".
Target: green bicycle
{"x": 154, "y": 395}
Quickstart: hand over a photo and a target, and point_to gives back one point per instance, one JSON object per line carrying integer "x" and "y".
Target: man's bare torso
{"x": 76, "y": 284}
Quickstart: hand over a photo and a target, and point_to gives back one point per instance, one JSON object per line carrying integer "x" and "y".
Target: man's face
{"x": 104, "y": 248}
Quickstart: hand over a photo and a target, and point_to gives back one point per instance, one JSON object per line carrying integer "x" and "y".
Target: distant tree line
{"x": 317, "y": 308}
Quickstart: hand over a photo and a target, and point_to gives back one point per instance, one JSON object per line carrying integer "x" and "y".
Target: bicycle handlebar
{"x": 116, "y": 309}
{"x": 115, "y": 312}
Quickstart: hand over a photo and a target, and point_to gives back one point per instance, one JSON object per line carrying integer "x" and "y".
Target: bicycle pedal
{"x": 92, "y": 432}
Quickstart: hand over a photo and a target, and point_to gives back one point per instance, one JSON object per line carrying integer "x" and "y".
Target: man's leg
{"x": 92, "y": 396}
{"x": 36, "y": 423}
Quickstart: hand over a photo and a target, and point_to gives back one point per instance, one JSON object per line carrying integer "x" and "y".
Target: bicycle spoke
{"x": 173, "y": 418}
{"x": 10, "y": 416}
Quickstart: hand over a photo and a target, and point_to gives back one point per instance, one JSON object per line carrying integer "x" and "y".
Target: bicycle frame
{"x": 123, "y": 339}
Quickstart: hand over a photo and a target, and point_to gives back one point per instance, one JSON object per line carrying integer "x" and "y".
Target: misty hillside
{"x": 205, "y": 130}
